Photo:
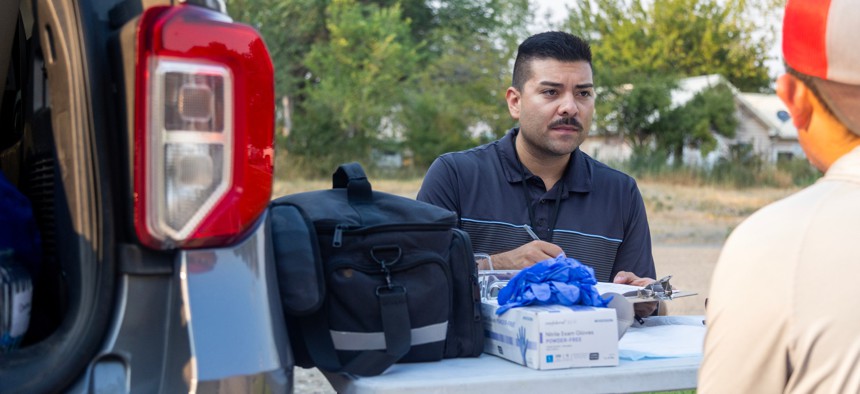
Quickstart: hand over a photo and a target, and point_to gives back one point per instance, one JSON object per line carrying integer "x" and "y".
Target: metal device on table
{"x": 492, "y": 281}
{"x": 659, "y": 290}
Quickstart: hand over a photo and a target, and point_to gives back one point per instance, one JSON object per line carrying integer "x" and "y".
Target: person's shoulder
{"x": 781, "y": 219}
{"x": 799, "y": 204}
{"x": 477, "y": 155}
{"x": 768, "y": 243}
{"x": 489, "y": 148}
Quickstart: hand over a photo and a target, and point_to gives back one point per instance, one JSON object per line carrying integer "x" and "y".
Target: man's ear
{"x": 795, "y": 95}
{"x": 512, "y": 96}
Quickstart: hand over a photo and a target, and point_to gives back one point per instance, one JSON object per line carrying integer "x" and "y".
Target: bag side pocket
{"x": 466, "y": 335}
{"x": 297, "y": 260}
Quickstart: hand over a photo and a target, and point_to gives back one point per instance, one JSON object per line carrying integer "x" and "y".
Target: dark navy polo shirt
{"x": 601, "y": 217}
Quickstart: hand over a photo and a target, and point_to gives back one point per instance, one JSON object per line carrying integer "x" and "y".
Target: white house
{"x": 766, "y": 112}
{"x": 764, "y": 125}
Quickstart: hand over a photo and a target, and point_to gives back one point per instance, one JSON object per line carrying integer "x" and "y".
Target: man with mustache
{"x": 533, "y": 195}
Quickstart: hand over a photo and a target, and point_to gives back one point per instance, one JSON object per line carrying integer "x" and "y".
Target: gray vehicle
{"x": 141, "y": 132}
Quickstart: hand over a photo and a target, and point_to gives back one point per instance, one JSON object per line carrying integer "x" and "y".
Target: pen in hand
{"x": 531, "y": 232}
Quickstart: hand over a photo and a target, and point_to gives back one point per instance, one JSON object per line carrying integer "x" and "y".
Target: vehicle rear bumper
{"x": 213, "y": 324}
{"x": 232, "y": 309}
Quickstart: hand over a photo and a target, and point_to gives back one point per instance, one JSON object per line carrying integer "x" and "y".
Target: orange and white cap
{"x": 820, "y": 39}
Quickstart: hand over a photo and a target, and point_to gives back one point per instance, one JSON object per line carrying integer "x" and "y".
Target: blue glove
{"x": 563, "y": 281}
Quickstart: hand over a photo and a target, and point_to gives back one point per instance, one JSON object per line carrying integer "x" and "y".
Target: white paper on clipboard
{"x": 630, "y": 292}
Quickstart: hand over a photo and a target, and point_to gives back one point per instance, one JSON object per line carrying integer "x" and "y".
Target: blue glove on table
{"x": 563, "y": 281}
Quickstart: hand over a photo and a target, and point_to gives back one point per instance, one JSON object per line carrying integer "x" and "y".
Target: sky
{"x": 558, "y": 8}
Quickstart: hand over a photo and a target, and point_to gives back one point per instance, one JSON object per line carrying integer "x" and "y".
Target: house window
{"x": 784, "y": 156}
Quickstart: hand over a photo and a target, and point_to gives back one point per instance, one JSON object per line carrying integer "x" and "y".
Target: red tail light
{"x": 204, "y": 124}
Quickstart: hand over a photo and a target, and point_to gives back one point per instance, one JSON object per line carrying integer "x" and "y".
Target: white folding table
{"x": 491, "y": 374}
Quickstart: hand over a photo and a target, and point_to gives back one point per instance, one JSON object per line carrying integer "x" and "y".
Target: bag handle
{"x": 352, "y": 177}
{"x": 395, "y": 326}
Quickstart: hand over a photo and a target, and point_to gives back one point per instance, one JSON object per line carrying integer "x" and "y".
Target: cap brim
{"x": 844, "y": 100}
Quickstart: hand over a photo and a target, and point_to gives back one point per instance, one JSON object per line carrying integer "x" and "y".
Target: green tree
{"x": 458, "y": 98}
{"x": 413, "y": 75}
{"x": 694, "y": 124}
{"x": 455, "y": 96}
{"x": 643, "y": 47}
{"x": 637, "y": 39}
{"x": 355, "y": 81}
{"x": 419, "y": 13}
{"x": 644, "y": 113}
{"x": 633, "y": 109}
{"x": 290, "y": 28}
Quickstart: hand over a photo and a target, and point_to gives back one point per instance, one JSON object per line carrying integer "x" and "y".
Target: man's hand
{"x": 526, "y": 255}
{"x": 641, "y": 309}
{"x": 629, "y": 278}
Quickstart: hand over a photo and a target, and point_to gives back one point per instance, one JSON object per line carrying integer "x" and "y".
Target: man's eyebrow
{"x": 552, "y": 84}
{"x": 558, "y": 85}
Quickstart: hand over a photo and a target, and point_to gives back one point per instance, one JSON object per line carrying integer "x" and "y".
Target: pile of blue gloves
{"x": 559, "y": 281}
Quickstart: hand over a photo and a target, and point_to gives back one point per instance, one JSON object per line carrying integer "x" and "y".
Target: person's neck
{"x": 837, "y": 140}
{"x": 549, "y": 168}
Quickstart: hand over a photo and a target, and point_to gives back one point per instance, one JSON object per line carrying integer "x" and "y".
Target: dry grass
{"x": 697, "y": 215}
{"x": 405, "y": 188}
{"x": 688, "y": 227}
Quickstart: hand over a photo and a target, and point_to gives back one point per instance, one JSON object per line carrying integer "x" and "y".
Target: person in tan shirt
{"x": 782, "y": 315}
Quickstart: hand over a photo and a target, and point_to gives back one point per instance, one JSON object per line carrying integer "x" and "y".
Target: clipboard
{"x": 660, "y": 290}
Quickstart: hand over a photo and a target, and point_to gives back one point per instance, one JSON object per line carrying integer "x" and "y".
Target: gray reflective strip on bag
{"x": 357, "y": 341}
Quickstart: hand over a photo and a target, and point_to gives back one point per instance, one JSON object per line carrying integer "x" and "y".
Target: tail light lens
{"x": 204, "y": 125}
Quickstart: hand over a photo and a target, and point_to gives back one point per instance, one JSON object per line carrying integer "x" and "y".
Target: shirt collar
{"x": 846, "y": 167}
{"x": 577, "y": 178}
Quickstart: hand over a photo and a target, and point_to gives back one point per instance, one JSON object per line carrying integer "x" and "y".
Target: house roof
{"x": 770, "y": 110}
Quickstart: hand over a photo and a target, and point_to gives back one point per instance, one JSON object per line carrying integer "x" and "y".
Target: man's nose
{"x": 567, "y": 107}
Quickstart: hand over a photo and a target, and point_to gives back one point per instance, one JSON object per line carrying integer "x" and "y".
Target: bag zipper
{"x": 339, "y": 229}
{"x": 414, "y": 260}
{"x": 337, "y": 240}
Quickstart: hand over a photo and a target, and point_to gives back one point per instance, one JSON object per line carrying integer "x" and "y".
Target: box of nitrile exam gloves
{"x": 552, "y": 336}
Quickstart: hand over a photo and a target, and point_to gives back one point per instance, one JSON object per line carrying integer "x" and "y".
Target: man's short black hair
{"x": 555, "y": 45}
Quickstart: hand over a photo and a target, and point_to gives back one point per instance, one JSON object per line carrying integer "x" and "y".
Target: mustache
{"x": 566, "y": 122}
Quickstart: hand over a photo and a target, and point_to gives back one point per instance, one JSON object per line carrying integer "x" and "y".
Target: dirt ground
{"x": 688, "y": 227}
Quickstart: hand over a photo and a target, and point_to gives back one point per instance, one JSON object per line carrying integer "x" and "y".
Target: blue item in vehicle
{"x": 559, "y": 281}
{"x": 16, "y": 296}
{"x": 18, "y": 229}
